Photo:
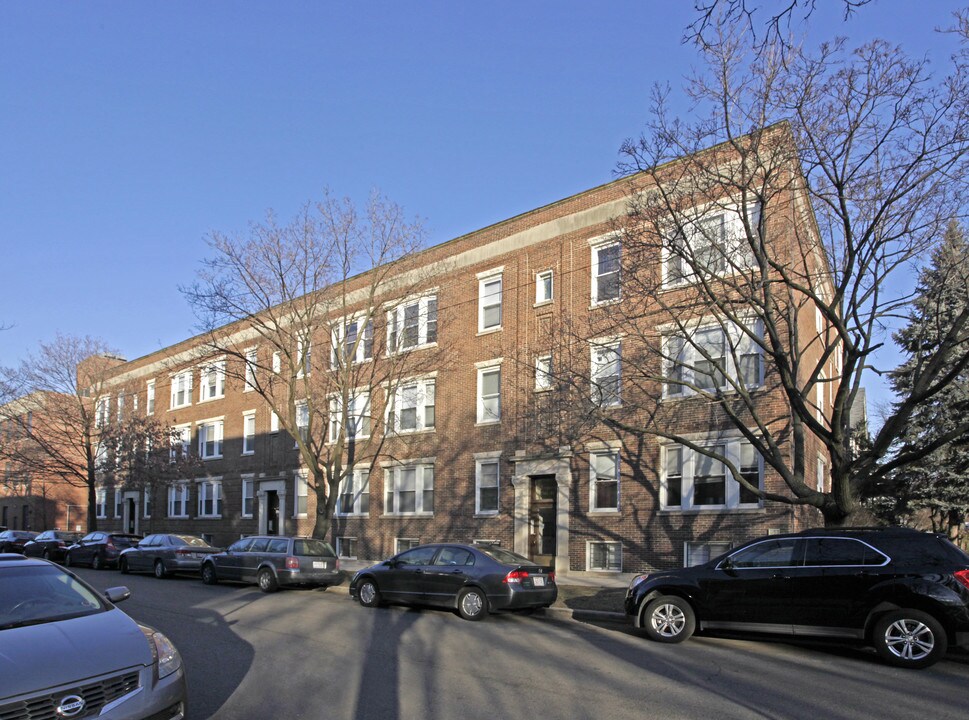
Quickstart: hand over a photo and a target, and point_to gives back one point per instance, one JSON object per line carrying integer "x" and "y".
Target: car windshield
{"x": 36, "y": 595}
{"x": 191, "y": 540}
{"x": 506, "y": 557}
{"x": 312, "y": 548}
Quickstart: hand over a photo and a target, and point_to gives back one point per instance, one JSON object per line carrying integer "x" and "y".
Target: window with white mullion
{"x": 486, "y": 486}
{"x": 412, "y": 406}
{"x": 210, "y": 498}
{"x": 354, "y": 498}
{"x": 178, "y": 500}
{"x": 249, "y": 433}
{"x": 250, "y": 378}
{"x": 409, "y": 489}
{"x": 358, "y": 417}
{"x": 692, "y": 480}
{"x": 606, "y": 373}
{"x": 181, "y": 389}
{"x": 212, "y": 383}
{"x": 711, "y": 359}
{"x": 412, "y": 324}
{"x": 210, "y": 439}
{"x": 353, "y": 341}
{"x": 606, "y": 261}
{"x": 604, "y": 481}
{"x": 489, "y": 303}
{"x": 489, "y": 394}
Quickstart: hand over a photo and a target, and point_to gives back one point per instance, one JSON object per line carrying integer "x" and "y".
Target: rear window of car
{"x": 312, "y": 548}
{"x": 125, "y": 540}
{"x": 37, "y": 595}
{"x": 191, "y": 540}
{"x": 505, "y": 557}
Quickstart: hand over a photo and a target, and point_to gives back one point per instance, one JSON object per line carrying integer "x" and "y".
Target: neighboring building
{"x": 483, "y": 446}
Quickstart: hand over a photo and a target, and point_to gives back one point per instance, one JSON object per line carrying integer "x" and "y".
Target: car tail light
{"x": 337, "y": 566}
{"x": 516, "y": 576}
{"x": 551, "y": 576}
{"x": 183, "y": 552}
{"x": 963, "y": 577}
{"x": 292, "y": 563}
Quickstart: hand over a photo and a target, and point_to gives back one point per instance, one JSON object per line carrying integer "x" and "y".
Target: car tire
{"x": 123, "y": 566}
{"x": 669, "y": 619}
{"x": 910, "y": 639}
{"x": 96, "y": 562}
{"x": 267, "y": 581}
{"x": 368, "y": 594}
{"x": 472, "y": 604}
{"x": 208, "y": 574}
{"x": 160, "y": 571}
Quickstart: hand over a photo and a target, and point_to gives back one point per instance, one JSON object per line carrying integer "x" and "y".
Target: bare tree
{"x": 54, "y": 430}
{"x": 761, "y": 272}
{"x": 295, "y": 310}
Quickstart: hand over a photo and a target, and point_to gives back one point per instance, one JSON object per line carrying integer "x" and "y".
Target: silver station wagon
{"x": 274, "y": 561}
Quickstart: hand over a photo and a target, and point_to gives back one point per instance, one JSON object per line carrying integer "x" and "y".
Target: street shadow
{"x": 381, "y": 666}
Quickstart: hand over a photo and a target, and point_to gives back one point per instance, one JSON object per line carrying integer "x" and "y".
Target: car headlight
{"x": 163, "y": 652}
{"x": 636, "y": 581}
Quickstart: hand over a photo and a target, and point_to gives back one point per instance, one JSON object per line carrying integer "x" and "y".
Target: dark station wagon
{"x": 272, "y": 561}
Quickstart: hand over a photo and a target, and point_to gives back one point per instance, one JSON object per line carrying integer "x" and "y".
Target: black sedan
{"x": 51, "y": 544}
{"x": 99, "y": 549}
{"x": 13, "y": 541}
{"x": 472, "y": 579}
{"x": 165, "y": 554}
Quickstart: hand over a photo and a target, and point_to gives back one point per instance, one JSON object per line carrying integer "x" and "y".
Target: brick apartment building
{"x": 485, "y": 443}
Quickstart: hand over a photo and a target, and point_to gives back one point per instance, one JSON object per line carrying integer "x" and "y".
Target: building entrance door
{"x": 542, "y": 525}
{"x": 272, "y": 512}
{"x": 131, "y": 517}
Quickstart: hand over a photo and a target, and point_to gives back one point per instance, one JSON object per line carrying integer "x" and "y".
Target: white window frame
{"x": 591, "y": 545}
{"x": 178, "y": 500}
{"x": 411, "y": 543}
{"x": 544, "y": 287}
{"x": 422, "y": 391}
{"x": 543, "y": 373}
{"x": 248, "y": 494}
{"x": 707, "y": 551}
{"x": 605, "y": 355}
{"x": 735, "y": 246}
{"x": 822, "y": 473}
{"x": 249, "y": 439}
{"x": 118, "y": 503}
{"x": 357, "y": 484}
{"x": 359, "y": 414}
{"x": 489, "y": 460}
{"x": 594, "y": 458}
{"x": 251, "y": 361}
{"x": 209, "y": 493}
{"x": 102, "y": 411}
{"x": 212, "y": 381}
{"x": 150, "y": 397}
{"x": 120, "y": 407}
{"x": 146, "y": 503}
{"x": 597, "y": 246}
{"x": 101, "y": 503}
{"x": 181, "y": 385}
{"x": 490, "y": 299}
{"x": 301, "y": 494}
{"x": 185, "y": 440}
{"x": 341, "y": 551}
{"x": 681, "y": 357}
{"x": 363, "y": 334}
{"x": 483, "y": 415}
{"x": 216, "y": 427}
{"x": 427, "y": 323}
{"x": 424, "y": 471}
{"x": 688, "y": 464}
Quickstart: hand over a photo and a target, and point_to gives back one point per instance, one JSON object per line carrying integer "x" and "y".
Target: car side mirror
{"x": 117, "y": 594}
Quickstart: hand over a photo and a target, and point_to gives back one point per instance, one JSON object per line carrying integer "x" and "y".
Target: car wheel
{"x": 123, "y": 565}
{"x": 96, "y": 562}
{"x": 369, "y": 594}
{"x": 669, "y": 619}
{"x": 267, "y": 581}
{"x": 160, "y": 569}
{"x": 208, "y": 574}
{"x": 472, "y": 604}
{"x": 909, "y": 638}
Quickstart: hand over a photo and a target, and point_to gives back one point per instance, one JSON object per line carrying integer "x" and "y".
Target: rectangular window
{"x": 273, "y": 422}
{"x": 604, "y": 481}
{"x": 346, "y": 548}
{"x": 150, "y": 402}
{"x": 181, "y": 442}
{"x": 605, "y": 556}
{"x": 102, "y": 412}
{"x": 249, "y": 433}
{"x": 358, "y": 415}
{"x": 302, "y": 495}
{"x": 302, "y": 421}
{"x": 118, "y": 504}
{"x": 606, "y": 372}
{"x": 181, "y": 389}
{"x": 409, "y": 489}
{"x": 605, "y": 273}
{"x": 412, "y": 406}
{"x": 543, "y": 372}
{"x": 248, "y": 492}
{"x": 354, "y": 494}
{"x": 178, "y": 501}
{"x": 210, "y": 440}
{"x": 304, "y": 358}
{"x": 698, "y": 553}
{"x": 213, "y": 381}
{"x": 210, "y": 498}
{"x": 101, "y": 502}
{"x": 489, "y": 394}
{"x": 277, "y": 362}
{"x": 694, "y": 481}
{"x": 712, "y": 359}
{"x": 121, "y": 407}
{"x": 352, "y": 341}
{"x": 412, "y": 324}
{"x": 489, "y": 303}
{"x": 486, "y": 487}
{"x": 250, "y": 379}
{"x": 822, "y": 473}
{"x": 147, "y": 503}
{"x": 543, "y": 287}
{"x": 711, "y": 245}
{"x": 403, "y": 544}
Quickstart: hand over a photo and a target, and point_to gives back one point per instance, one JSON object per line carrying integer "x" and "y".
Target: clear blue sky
{"x": 128, "y": 131}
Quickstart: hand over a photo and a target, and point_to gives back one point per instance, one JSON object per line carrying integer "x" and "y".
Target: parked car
{"x": 51, "y": 544}
{"x": 69, "y": 652}
{"x": 14, "y": 540}
{"x": 902, "y": 591}
{"x": 165, "y": 554}
{"x": 99, "y": 549}
{"x": 274, "y": 561}
{"x": 472, "y": 579}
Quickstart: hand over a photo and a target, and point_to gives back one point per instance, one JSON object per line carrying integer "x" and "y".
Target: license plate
{"x": 319, "y": 565}
{"x": 538, "y": 581}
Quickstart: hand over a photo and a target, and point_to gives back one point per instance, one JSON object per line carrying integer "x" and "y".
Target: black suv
{"x": 903, "y": 591}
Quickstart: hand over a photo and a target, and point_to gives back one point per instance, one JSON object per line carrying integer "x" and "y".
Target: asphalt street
{"x": 314, "y": 654}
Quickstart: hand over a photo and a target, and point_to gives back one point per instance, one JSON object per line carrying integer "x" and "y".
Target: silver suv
{"x": 272, "y": 561}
